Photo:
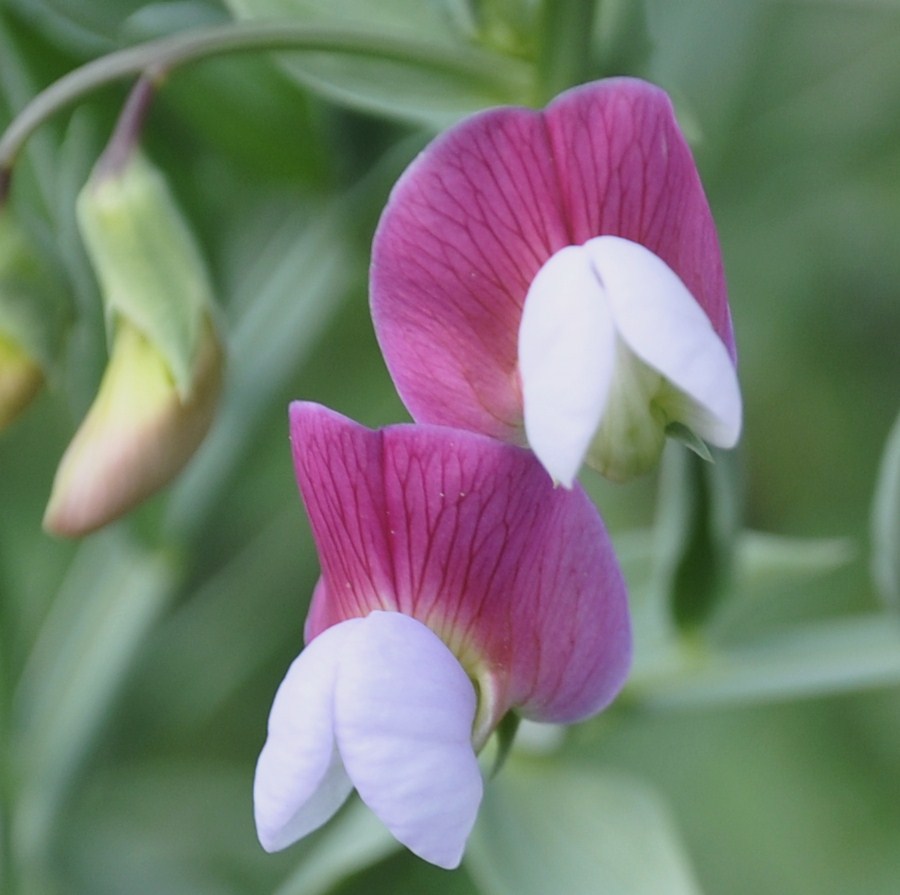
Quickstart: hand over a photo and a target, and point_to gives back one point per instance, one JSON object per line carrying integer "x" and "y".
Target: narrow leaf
{"x": 113, "y": 594}
{"x": 552, "y": 828}
{"x": 696, "y": 527}
{"x": 835, "y": 656}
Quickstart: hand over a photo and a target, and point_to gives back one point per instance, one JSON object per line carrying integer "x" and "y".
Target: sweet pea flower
{"x": 457, "y": 585}
{"x": 553, "y": 278}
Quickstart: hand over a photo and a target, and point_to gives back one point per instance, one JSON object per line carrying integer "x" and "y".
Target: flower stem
{"x": 155, "y": 59}
{"x": 128, "y": 129}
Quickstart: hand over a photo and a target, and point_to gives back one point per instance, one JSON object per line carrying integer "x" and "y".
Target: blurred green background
{"x": 138, "y": 666}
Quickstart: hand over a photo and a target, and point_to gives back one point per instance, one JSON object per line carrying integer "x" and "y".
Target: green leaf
{"x": 683, "y": 435}
{"x": 434, "y": 93}
{"x": 886, "y": 522}
{"x": 835, "y": 656}
{"x": 210, "y": 647}
{"x": 505, "y": 737}
{"x": 168, "y": 825}
{"x": 696, "y": 526}
{"x": 766, "y": 560}
{"x": 112, "y": 595}
{"x": 547, "y": 827}
{"x": 774, "y": 575}
{"x": 83, "y": 27}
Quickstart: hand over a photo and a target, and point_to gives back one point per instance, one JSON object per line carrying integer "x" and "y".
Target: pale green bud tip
{"x": 148, "y": 265}
{"x": 20, "y": 380}
{"x": 136, "y": 437}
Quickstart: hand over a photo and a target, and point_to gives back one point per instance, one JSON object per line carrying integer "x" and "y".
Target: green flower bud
{"x": 148, "y": 264}
{"x": 158, "y": 395}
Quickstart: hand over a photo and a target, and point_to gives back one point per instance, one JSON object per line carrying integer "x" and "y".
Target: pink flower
{"x": 457, "y": 585}
{"x": 553, "y": 278}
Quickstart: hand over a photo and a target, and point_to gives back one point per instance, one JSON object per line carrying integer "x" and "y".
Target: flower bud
{"x": 137, "y": 436}
{"x": 159, "y": 391}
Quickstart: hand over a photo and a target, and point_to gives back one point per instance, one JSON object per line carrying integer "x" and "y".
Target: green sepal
{"x": 683, "y": 435}
{"x": 147, "y": 262}
{"x": 505, "y": 735}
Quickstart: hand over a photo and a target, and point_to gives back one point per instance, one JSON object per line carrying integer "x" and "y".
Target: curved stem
{"x": 128, "y": 129}
{"x": 155, "y": 59}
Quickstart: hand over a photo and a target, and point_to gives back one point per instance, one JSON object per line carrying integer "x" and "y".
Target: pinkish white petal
{"x": 300, "y": 780}
{"x": 663, "y": 325}
{"x": 404, "y": 709}
{"x": 469, "y": 536}
{"x": 566, "y": 356}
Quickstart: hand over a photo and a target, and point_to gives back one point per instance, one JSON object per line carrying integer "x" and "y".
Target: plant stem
{"x": 128, "y": 129}
{"x": 157, "y": 58}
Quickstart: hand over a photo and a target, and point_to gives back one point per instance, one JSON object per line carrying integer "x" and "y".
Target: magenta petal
{"x": 474, "y": 218}
{"x": 468, "y": 535}
{"x": 467, "y": 227}
{"x": 317, "y": 618}
{"x": 626, "y": 170}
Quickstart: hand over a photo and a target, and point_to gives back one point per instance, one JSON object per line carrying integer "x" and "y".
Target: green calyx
{"x": 149, "y": 267}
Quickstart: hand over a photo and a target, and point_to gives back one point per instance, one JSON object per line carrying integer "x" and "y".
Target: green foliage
{"x": 594, "y": 832}
{"x": 432, "y": 97}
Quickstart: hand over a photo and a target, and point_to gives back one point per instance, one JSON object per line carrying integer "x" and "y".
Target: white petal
{"x": 566, "y": 357}
{"x": 663, "y": 325}
{"x": 300, "y": 779}
{"x": 404, "y": 709}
